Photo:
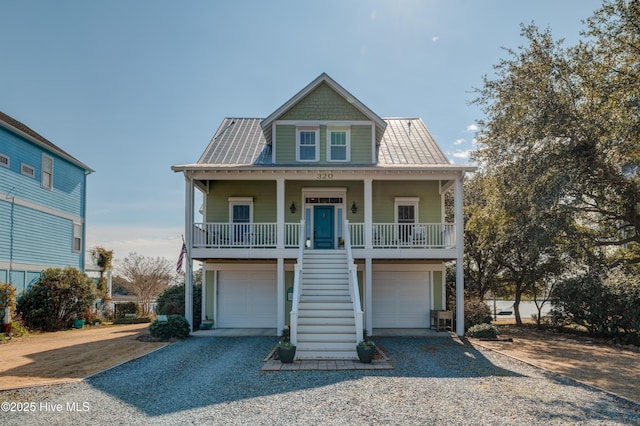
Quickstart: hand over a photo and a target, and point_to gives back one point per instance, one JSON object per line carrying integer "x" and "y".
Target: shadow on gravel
{"x": 200, "y": 372}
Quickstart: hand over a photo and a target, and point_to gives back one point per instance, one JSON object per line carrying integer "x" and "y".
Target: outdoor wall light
{"x": 293, "y": 208}
{"x": 354, "y": 208}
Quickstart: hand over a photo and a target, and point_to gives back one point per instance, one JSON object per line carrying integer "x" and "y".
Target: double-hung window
{"x": 77, "y": 237}
{"x": 4, "y": 160}
{"x": 47, "y": 172}
{"x": 307, "y": 141}
{"x": 338, "y": 142}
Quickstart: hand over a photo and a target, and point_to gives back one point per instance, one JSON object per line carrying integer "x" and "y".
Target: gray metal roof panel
{"x": 407, "y": 141}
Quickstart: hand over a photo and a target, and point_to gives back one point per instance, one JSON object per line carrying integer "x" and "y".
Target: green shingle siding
{"x": 323, "y": 103}
{"x": 361, "y": 144}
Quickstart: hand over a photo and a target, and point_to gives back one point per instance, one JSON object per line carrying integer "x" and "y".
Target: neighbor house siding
{"x": 262, "y": 192}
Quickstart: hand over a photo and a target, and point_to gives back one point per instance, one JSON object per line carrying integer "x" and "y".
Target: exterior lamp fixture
{"x": 292, "y": 209}
{"x": 354, "y": 208}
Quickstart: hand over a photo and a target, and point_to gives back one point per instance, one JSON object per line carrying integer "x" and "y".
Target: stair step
{"x": 320, "y": 313}
{"x": 332, "y": 287}
{"x": 324, "y": 330}
{"x": 325, "y": 346}
{"x": 326, "y": 321}
{"x": 325, "y": 306}
{"x": 318, "y": 354}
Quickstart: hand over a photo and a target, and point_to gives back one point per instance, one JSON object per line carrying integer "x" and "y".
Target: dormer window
{"x": 307, "y": 143}
{"x": 338, "y": 143}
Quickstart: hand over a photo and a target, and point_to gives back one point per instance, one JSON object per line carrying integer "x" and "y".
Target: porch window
{"x": 338, "y": 142}
{"x": 406, "y": 215}
{"x": 47, "y": 172}
{"x": 241, "y": 215}
{"x": 307, "y": 144}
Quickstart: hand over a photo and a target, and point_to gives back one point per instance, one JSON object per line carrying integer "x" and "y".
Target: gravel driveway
{"x": 218, "y": 381}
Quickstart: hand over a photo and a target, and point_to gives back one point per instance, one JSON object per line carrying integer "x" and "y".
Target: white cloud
{"x": 434, "y": 39}
{"x": 462, "y": 154}
{"x": 458, "y": 142}
{"x": 472, "y": 128}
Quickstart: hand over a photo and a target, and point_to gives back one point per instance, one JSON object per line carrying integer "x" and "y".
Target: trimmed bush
{"x": 56, "y": 299}
{"x": 171, "y": 302}
{"x": 483, "y": 331}
{"x": 175, "y": 327}
{"x": 122, "y": 309}
{"x": 133, "y": 320}
{"x": 476, "y": 312}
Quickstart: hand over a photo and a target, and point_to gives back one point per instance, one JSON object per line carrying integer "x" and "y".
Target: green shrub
{"x": 122, "y": 309}
{"x": 175, "y": 327}
{"x": 476, "y": 312}
{"x": 483, "y": 331}
{"x": 57, "y": 299}
{"x": 171, "y": 302}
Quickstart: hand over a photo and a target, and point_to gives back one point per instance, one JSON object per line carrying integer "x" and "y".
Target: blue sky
{"x": 133, "y": 87}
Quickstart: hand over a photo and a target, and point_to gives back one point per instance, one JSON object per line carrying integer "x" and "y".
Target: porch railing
{"x": 353, "y": 285}
{"x": 297, "y": 282}
{"x": 405, "y": 235}
{"x": 242, "y": 235}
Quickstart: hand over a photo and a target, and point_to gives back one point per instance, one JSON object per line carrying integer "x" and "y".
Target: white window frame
{"x": 7, "y": 161}
{"x": 45, "y": 182}
{"x": 77, "y": 238}
{"x": 347, "y": 131}
{"x": 240, "y": 201}
{"x": 316, "y": 131}
{"x": 27, "y": 170}
{"x": 407, "y": 201}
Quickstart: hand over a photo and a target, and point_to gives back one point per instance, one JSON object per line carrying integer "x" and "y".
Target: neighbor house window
{"x": 77, "y": 237}
{"x": 27, "y": 170}
{"x": 47, "y": 172}
{"x": 4, "y": 160}
{"x": 307, "y": 144}
{"x": 338, "y": 142}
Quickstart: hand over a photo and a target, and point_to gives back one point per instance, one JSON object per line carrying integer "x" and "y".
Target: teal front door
{"x": 323, "y": 227}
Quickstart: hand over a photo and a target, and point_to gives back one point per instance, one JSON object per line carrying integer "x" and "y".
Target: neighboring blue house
{"x": 42, "y": 205}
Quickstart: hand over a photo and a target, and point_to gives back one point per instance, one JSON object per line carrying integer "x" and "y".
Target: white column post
{"x": 280, "y": 295}
{"x": 203, "y": 304}
{"x": 368, "y": 295}
{"x": 459, "y": 218}
{"x": 188, "y": 281}
{"x": 280, "y": 203}
{"x": 368, "y": 213}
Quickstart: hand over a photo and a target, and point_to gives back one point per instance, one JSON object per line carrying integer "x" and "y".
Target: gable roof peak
{"x": 323, "y": 78}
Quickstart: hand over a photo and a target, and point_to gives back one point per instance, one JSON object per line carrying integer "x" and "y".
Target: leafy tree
{"x": 7, "y": 299}
{"x": 171, "y": 301}
{"x": 56, "y": 299}
{"x": 147, "y": 277}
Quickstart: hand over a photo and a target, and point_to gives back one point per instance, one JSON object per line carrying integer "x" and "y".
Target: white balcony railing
{"x": 242, "y": 235}
{"x": 405, "y": 235}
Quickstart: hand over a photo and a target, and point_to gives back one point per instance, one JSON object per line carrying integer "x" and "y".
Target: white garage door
{"x": 400, "y": 299}
{"x": 247, "y": 299}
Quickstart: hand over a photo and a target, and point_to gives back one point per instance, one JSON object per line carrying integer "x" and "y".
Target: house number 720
{"x": 325, "y": 175}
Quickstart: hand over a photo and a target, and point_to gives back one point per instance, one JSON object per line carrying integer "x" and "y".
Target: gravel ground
{"x": 218, "y": 381}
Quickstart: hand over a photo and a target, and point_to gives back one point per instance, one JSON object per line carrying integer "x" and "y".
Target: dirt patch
{"x": 70, "y": 355}
{"x": 585, "y": 359}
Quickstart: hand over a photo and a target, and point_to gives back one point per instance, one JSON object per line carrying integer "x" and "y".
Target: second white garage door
{"x": 247, "y": 299}
{"x": 400, "y": 299}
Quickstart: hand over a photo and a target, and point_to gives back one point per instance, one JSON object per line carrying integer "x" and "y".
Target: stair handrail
{"x": 354, "y": 292}
{"x": 297, "y": 277}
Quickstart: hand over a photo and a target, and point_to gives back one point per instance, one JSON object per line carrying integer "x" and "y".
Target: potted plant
{"x": 366, "y": 349}
{"x": 286, "y": 352}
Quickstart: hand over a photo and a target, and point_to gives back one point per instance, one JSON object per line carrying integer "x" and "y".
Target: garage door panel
{"x": 400, "y": 299}
{"x": 247, "y": 299}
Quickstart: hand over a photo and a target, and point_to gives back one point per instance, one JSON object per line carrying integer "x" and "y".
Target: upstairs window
{"x": 47, "y": 172}
{"x": 307, "y": 146}
{"x": 4, "y": 161}
{"x": 27, "y": 170}
{"x": 77, "y": 238}
{"x": 338, "y": 142}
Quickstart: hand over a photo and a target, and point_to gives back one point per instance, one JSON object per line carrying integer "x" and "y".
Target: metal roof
{"x": 241, "y": 142}
{"x": 17, "y": 127}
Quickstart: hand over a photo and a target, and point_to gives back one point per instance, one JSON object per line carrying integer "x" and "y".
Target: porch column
{"x": 188, "y": 278}
{"x": 280, "y": 213}
{"x": 280, "y": 295}
{"x": 203, "y": 302}
{"x": 368, "y": 295}
{"x": 368, "y": 213}
{"x": 459, "y": 218}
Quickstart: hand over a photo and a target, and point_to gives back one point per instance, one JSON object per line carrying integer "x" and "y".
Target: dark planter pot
{"x": 365, "y": 353}
{"x": 286, "y": 354}
{"x": 206, "y": 325}
{"x": 78, "y": 324}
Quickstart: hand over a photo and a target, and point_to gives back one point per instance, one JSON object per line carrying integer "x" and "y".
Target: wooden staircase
{"x": 326, "y": 321}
